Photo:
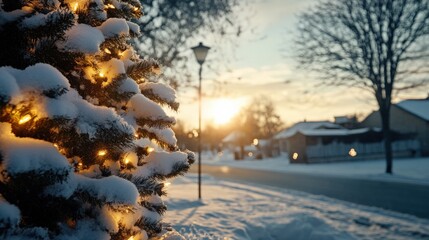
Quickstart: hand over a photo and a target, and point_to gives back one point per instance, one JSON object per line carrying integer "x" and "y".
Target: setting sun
{"x": 222, "y": 110}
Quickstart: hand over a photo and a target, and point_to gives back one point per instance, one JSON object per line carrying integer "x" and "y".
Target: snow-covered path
{"x": 237, "y": 211}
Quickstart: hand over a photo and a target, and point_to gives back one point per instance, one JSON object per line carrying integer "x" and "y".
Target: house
{"x": 408, "y": 116}
{"x": 282, "y": 137}
{"x": 315, "y": 142}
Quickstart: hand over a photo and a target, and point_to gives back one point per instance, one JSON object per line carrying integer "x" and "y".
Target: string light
{"x": 25, "y": 119}
{"x": 149, "y": 149}
{"x": 55, "y": 145}
{"x": 352, "y": 152}
{"x": 131, "y": 238}
{"x": 136, "y": 8}
{"x": 102, "y": 152}
{"x": 126, "y": 160}
{"x": 101, "y": 74}
{"x": 109, "y": 6}
{"x": 106, "y": 50}
{"x": 76, "y": 5}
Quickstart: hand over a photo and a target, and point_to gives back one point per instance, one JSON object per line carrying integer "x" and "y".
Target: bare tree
{"x": 168, "y": 25}
{"x": 378, "y": 45}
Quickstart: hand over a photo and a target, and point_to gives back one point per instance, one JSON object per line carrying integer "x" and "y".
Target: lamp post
{"x": 200, "y": 52}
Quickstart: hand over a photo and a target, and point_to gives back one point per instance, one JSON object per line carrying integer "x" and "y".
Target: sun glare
{"x": 222, "y": 110}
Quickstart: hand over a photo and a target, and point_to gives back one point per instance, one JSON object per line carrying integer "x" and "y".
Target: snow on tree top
{"x": 113, "y": 27}
{"x": 83, "y": 38}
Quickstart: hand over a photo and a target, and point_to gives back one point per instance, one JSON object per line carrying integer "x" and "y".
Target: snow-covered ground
{"x": 235, "y": 211}
{"x": 414, "y": 170}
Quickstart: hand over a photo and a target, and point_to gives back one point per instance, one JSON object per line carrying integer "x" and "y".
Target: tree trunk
{"x": 385, "y": 121}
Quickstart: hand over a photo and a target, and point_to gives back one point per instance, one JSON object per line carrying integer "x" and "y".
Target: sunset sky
{"x": 263, "y": 65}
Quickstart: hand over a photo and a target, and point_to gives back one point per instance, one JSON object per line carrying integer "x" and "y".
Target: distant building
{"x": 315, "y": 142}
{"x": 346, "y": 121}
{"x": 408, "y": 116}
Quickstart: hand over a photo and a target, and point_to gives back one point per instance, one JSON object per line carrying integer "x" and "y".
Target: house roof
{"x": 321, "y": 125}
{"x": 232, "y": 137}
{"x": 417, "y": 107}
{"x": 337, "y": 132}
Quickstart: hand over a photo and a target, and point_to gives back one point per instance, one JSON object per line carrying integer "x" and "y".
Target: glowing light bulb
{"x": 101, "y": 74}
{"x": 106, "y": 50}
{"x": 127, "y": 160}
{"x": 80, "y": 164}
{"x": 25, "y": 119}
{"x": 55, "y": 145}
{"x": 131, "y": 238}
{"x": 149, "y": 149}
{"x": 136, "y": 8}
{"x": 166, "y": 184}
{"x": 255, "y": 141}
{"x": 76, "y": 5}
{"x": 295, "y": 156}
{"x": 110, "y": 6}
{"x": 352, "y": 152}
{"x": 102, "y": 152}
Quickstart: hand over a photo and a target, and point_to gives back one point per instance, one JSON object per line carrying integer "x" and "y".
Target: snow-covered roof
{"x": 418, "y": 107}
{"x": 336, "y": 132}
{"x": 232, "y": 137}
{"x": 306, "y": 126}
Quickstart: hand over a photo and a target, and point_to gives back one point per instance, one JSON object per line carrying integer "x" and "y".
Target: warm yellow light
{"x": 295, "y": 156}
{"x": 255, "y": 141}
{"x": 166, "y": 184}
{"x": 102, "y": 152}
{"x": 121, "y": 53}
{"x": 224, "y": 169}
{"x": 55, "y": 145}
{"x": 25, "y": 119}
{"x": 136, "y": 8}
{"x": 127, "y": 160}
{"x": 109, "y": 6}
{"x": 195, "y": 133}
{"x": 106, "y": 50}
{"x": 101, "y": 74}
{"x": 131, "y": 238}
{"x": 250, "y": 154}
{"x": 80, "y": 164}
{"x": 75, "y": 6}
{"x": 149, "y": 149}
{"x": 352, "y": 152}
{"x": 223, "y": 110}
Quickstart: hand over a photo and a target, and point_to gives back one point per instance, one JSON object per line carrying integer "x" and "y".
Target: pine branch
{"x": 143, "y": 70}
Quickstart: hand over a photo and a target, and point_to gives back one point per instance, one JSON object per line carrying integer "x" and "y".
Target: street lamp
{"x": 200, "y": 52}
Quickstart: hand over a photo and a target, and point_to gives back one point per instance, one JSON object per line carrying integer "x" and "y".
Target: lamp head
{"x": 200, "y": 52}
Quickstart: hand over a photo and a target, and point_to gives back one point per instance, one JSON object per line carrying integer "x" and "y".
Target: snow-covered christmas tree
{"x": 86, "y": 147}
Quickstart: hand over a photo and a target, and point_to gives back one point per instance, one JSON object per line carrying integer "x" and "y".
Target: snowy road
{"x": 401, "y": 197}
{"x": 235, "y": 211}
